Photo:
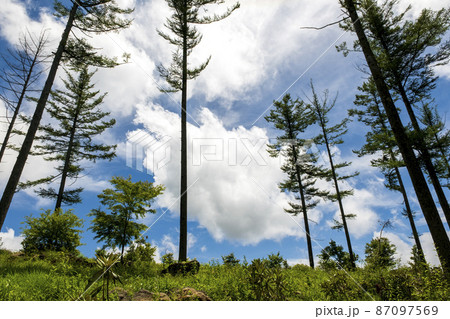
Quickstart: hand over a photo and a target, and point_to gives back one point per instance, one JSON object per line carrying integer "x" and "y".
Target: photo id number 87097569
{"x": 406, "y": 310}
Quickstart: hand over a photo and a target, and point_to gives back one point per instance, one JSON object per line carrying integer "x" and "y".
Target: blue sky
{"x": 258, "y": 54}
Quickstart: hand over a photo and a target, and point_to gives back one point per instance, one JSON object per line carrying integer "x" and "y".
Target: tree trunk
{"x": 67, "y": 162}
{"x": 426, "y": 201}
{"x": 403, "y": 192}
{"x": 182, "y": 255}
{"x": 16, "y": 173}
{"x": 410, "y": 216}
{"x": 305, "y": 213}
{"x": 426, "y": 158}
{"x": 338, "y": 194}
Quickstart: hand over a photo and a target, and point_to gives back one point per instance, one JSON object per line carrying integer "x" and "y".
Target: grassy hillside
{"x": 58, "y": 276}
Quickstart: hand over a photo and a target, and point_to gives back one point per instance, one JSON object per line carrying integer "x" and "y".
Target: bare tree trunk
{"x": 426, "y": 201}
{"x": 68, "y": 156}
{"x": 182, "y": 255}
{"x": 16, "y": 173}
{"x": 338, "y": 195}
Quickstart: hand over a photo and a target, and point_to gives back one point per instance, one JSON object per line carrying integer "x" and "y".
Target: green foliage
{"x": 127, "y": 200}
{"x": 79, "y": 118}
{"x": 60, "y": 276}
{"x": 340, "y": 287}
{"x": 53, "y": 230}
{"x": 266, "y": 283}
{"x": 230, "y": 260}
{"x": 140, "y": 252}
{"x": 167, "y": 259}
{"x": 96, "y": 17}
{"x": 276, "y": 261}
{"x": 380, "y": 253}
{"x": 334, "y": 257}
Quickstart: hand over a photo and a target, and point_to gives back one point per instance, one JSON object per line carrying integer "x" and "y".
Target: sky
{"x": 257, "y": 55}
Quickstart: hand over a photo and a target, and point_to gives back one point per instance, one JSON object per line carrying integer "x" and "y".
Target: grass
{"x": 56, "y": 276}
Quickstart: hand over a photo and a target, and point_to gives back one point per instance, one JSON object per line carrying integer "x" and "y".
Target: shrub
{"x": 267, "y": 283}
{"x": 53, "y": 230}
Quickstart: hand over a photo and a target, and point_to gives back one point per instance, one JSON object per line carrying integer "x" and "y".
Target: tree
{"x": 230, "y": 260}
{"x": 23, "y": 69}
{"x": 53, "y": 230}
{"x": 380, "y": 253}
{"x": 88, "y": 16}
{"x": 402, "y": 49}
{"x": 126, "y": 201}
{"x": 380, "y": 141}
{"x": 293, "y": 117}
{"x": 186, "y": 37}
{"x": 333, "y": 256}
{"x": 422, "y": 191}
{"x": 330, "y": 137}
{"x": 77, "y": 112}
{"x": 437, "y": 138}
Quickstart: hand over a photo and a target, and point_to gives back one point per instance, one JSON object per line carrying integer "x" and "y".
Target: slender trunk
{"x": 124, "y": 235}
{"x": 426, "y": 201}
{"x": 305, "y": 219}
{"x": 338, "y": 193}
{"x": 305, "y": 213}
{"x": 426, "y": 157}
{"x": 182, "y": 255}
{"x": 403, "y": 191}
{"x": 410, "y": 215}
{"x": 16, "y": 173}
{"x": 67, "y": 162}
{"x": 19, "y": 104}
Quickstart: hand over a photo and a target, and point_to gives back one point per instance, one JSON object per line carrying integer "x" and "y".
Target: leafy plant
{"x": 265, "y": 282}
{"x": 106, "y": 273}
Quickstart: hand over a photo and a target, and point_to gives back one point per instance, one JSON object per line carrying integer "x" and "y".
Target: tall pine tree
{"x": 88, "y": 16}
{"x": 77, "y": 111}
{"x": 380, "y": 140}
{"x": 406, "y": 52}
{"x": 330, "y": 137}
{"x": 292, "y": 118}
{"x": 423, "y": 193}
{"x": 186, "y": 37}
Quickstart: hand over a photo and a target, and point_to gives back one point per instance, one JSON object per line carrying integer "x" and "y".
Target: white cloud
{"x": 232, "y": 196}
{"x": 10, "y": 241}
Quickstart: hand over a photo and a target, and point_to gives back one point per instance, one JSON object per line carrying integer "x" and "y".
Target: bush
{"x": 53, "y": 230}
{"x": 267, "y": 283}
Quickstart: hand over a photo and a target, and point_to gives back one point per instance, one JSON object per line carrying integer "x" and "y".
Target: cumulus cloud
{"x": 234, "y": 192}
{"x": 10, "y": 241}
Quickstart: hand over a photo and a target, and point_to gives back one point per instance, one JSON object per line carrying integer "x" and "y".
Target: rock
{"x": 183, "y": 268}
{"x": 189, "y": 294}
{"x": 145, "y": 295}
